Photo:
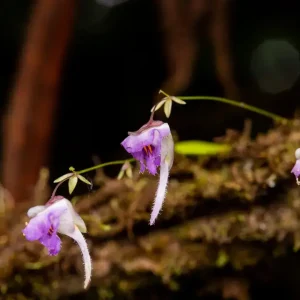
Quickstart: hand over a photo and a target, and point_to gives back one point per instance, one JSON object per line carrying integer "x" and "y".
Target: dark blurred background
{"x": 116, "y": 62}
{"x": 119, "y": 56}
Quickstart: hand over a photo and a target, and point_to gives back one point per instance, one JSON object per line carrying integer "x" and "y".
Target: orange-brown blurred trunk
{"x": 220, "y": 31}
{"x": 29, "y": 120}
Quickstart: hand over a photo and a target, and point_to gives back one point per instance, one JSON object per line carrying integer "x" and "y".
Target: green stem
{"x": 116, "y": 162}
{"x": 238, "y": 104}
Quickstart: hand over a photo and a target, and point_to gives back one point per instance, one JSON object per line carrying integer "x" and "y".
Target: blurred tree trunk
{"x": 30, "y": 115}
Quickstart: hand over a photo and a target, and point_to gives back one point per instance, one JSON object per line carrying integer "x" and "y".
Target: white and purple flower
{"x": 152, "y": 145}
{"x": 296, "y": 168}
{"x": 58, "y": 216}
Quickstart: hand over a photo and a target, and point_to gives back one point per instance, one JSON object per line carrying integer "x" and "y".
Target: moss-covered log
{"x": 236, "y": 210}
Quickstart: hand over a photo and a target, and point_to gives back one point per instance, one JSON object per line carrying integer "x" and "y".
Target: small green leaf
{"x": 168, "y": 108}
{"x": 201, "y": 148}
{"x": 177, "y": 100}
{"x": 63, "y": 177}
{"x": 72, "y": 169}
{"x": 158, "y": 106}
{"x": 83, "y": 179}
{"x": 72, "y": 183}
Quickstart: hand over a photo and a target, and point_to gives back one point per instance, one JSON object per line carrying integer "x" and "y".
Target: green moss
{"x": 222, "y": 259}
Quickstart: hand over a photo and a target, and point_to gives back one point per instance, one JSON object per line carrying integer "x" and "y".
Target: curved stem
{"x": 58, "y": 185}
{"x": 116, "y": 162}
{"x": 238, "y": 104}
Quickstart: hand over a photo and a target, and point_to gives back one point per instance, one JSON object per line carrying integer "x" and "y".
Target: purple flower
{"x": 57, "y": 216}
{"x": 296, "y": 168}
{"x": 152, "y": 145}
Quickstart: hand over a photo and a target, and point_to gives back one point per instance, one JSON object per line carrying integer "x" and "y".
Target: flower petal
{"x": 52, "y": 243}
{"x": 296, "y": 170}
{"x": 136, "y": 143}
{"x": 39, "y": 226}
{"x": 36, "y": 228}
{"x": 33, "y": 211}
{"x": 151, "y": 166}
{"x": 87, "y": 262}
{"x": 167, "y": 150}
{"x": 68, "y": 218}
{"x": 77, "y": 220}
